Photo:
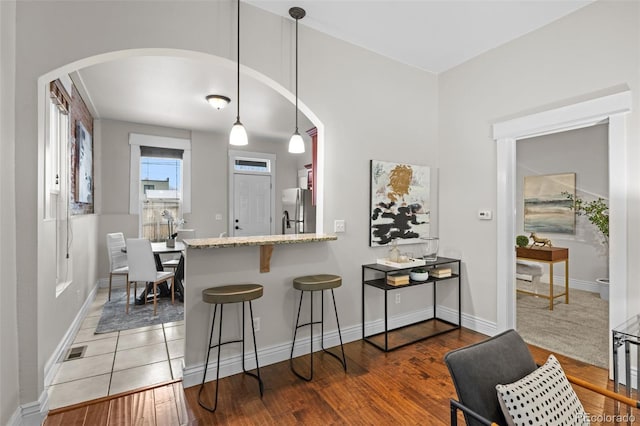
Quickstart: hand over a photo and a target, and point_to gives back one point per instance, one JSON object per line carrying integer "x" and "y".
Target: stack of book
{"x": 440, "y": 272}
{"x": 397, "y": 279}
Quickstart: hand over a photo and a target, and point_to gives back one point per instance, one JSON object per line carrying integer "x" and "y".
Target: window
{"x": 161, "y": 183}
{"x": 160, "y": 180}
{"x": 57, "y": 179}
{"x": 56, "y": 152}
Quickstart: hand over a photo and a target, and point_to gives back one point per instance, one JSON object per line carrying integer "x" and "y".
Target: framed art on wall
{"x": 399, "y": 203}
{"x": 84, "y": 155}
{"x": 547, "y": 208}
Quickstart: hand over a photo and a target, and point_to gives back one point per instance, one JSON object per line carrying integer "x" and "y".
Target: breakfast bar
{"x": 265, "y": 242}
{"x": 211, "y": 262}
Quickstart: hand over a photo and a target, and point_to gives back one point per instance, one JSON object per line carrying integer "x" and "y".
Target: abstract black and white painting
{"x": 400, "y": 203}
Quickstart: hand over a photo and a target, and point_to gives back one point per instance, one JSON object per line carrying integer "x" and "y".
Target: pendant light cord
{"x": 238, "y": 59}
{"x": 297, "y": 75}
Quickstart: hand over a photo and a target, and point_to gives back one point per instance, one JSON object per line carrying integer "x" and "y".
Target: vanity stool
{"x": 235, "y": 293}
{"x": 313, "y": 283}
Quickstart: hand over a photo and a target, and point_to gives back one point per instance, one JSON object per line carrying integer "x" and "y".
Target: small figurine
{"x": 537, "y": 241}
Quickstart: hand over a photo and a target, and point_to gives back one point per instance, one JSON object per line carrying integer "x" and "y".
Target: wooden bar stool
{"x": 222, "y": 295}
{"x": 313, "y": 283}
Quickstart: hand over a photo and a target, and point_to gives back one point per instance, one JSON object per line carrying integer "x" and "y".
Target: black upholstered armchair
{"x": 499, "y": 375}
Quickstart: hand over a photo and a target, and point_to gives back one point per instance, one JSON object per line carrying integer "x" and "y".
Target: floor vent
{"x": 75, "y": 353}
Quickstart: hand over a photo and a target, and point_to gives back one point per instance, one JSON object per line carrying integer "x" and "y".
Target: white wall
{"x": 339, "y": 87}
{"x": 9, "y": 361}
{"x": 589, "y": 53}
{"x": 585, "y": 153}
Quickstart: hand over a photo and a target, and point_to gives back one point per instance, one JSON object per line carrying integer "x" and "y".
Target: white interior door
{"x": 251, "y": 205}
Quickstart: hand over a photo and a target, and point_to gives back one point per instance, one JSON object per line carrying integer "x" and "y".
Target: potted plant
{"x": 419, "y": 274}
{"x": 597, "y": 212}
{"x": 522, "y": 241}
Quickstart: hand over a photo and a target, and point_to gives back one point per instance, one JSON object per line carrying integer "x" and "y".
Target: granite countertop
{"x": 263, "y": 240}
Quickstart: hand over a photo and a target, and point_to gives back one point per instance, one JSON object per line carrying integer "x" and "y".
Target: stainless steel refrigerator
{"x": 298, "y": 211}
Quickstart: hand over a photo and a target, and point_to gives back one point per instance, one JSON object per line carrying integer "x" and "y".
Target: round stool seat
{"x": 232, "y": 293}
{"x": 317, "y": 282}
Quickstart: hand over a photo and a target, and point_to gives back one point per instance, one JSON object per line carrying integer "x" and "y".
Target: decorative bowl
{"x": 419, "y": 276}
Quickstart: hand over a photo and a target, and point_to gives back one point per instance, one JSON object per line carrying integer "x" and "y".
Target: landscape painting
{"x": 547, "y": 206}
{"x": 400, "y": 203}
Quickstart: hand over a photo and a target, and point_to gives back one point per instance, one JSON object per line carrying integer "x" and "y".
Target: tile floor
{"x": 119, "y": 361}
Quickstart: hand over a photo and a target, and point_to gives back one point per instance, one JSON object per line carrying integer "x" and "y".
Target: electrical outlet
{"x": 339, "y": 226}
{"x": 256, "y": 324}
{"x": 397, "y": 298}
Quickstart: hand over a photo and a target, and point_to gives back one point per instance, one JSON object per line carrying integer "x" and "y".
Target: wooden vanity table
{"x": 548, "y": 255}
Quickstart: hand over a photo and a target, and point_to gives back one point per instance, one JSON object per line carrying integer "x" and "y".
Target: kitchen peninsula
{"x": 211, "y": 262}
{"x": 266, "y": 243}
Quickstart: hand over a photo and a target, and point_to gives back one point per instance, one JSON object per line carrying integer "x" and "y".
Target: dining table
{"x": 158, "y": 249}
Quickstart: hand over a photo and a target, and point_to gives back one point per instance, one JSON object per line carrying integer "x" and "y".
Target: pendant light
{"x": 296, "y": 144}
{"x": 238, "y": 135}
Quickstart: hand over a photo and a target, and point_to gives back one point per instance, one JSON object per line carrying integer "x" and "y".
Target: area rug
{"x": 579, "y": 330}
{"x": 114, "y": 317}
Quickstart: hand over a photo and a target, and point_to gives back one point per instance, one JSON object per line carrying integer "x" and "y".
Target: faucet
{"x": 285, "y": 220}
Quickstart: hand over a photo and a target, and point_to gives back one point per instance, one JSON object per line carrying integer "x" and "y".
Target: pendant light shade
{"x": 296, "y": 144}
{"x": 238, "y": 135}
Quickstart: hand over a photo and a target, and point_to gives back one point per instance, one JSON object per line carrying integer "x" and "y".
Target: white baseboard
{"x": 192, "y": 375}
{"x": 52, "y": 364}
{"x": 16, "y": 418}
{"x": 591, "y": 286}
{"x": 558, "y": 280}
{"x": 32, "y": 413}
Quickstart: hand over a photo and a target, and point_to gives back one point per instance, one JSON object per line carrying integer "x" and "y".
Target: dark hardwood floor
{"x": 409, "y": 386}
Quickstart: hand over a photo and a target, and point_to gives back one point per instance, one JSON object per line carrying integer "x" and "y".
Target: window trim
{"x": 135, "y": 141}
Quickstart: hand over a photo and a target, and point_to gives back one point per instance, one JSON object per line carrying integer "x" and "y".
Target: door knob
{"x": 237, "y": 227}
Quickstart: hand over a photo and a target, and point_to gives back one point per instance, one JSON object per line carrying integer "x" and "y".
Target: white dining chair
{"x": 117, "y": 257}
{"x": 142, "y": 267}
{"x": 182, "y": 235}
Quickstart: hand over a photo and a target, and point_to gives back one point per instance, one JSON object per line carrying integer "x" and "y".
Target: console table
{"x": 548, "y": 255}
{"x": 375, "y": 275}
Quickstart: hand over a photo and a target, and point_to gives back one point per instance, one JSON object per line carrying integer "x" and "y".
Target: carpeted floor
{"x": 579, "y": 330}
{"x": 114, "y": 318}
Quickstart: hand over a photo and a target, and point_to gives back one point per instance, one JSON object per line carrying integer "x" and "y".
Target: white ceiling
{"x": 434, "y": 35}
{"x": 170, "y": 91}
{"x": 427, "y": 34}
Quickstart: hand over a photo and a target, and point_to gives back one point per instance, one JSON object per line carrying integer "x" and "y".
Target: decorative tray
{"x": 411, "y": 263}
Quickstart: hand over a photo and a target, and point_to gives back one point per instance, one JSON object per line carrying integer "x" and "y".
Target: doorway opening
{"x": 552, "y": 171}
{"x": 613, "y": 108}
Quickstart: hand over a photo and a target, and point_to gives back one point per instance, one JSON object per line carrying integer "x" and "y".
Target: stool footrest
{"x": 309, "y": 323}
{"x": 226, "y": 343}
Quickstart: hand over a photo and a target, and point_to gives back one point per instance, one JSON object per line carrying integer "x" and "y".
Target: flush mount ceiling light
{"x": 238, "y": 135}
{"x": 296, "y": 144}
{"x": 218, "y": 101}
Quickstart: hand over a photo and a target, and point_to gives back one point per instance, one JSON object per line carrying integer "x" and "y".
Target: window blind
{"x": 156, "y": 152}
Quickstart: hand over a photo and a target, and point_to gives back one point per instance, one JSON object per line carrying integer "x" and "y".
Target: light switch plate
{"x": 218, "y": 216}
{"x": 485, "y": 214}
{"x": 339, "y": 226}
